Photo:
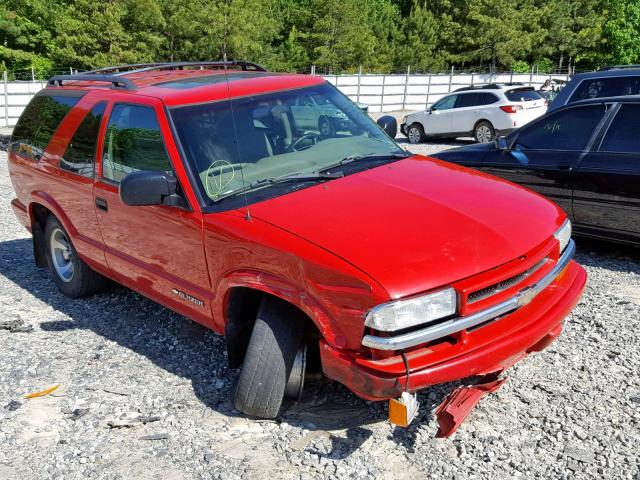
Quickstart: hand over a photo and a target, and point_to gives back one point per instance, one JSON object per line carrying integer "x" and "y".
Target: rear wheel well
{"x": 39, "y": 215}
{"x": 242, "y": 307}
{"x": 480, "y": 121}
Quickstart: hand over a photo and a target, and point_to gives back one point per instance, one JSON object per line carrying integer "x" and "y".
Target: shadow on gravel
{"x": 613, "y": 256}
{"x": 188, "y": 350}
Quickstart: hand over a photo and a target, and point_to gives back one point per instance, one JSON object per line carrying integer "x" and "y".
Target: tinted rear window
{"x": 38, "y": 122}
{"x": 523, "y": 95}
{"x": 606, "y": 87}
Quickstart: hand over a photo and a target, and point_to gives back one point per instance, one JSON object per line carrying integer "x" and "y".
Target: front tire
{"x": 277, "y": 341}
{"x": 415, "y": 133}
{"x": 70, "y": 273}
{"x": 484, "y": 132}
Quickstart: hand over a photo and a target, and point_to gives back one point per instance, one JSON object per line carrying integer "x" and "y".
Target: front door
{"x": 157, "y": 250}
{"x": 438, "y": 120}
{"x": 543, "y": 155}
{"x": 607, "y": 181}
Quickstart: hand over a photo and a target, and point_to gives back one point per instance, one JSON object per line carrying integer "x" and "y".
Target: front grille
{"x": 504, "y": 284}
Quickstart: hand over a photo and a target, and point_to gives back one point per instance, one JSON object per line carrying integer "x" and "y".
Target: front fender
{"x": 278, "y": 287}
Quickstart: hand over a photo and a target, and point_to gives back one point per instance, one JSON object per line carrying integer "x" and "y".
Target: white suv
{"x": 482, "y": 112}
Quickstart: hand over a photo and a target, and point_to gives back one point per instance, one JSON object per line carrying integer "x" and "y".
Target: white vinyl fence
{"x": 388, "y": 93}
{"x": 383, "y": 93}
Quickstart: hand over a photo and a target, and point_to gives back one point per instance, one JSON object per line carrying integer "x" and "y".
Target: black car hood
{"x": 467, "y": 155}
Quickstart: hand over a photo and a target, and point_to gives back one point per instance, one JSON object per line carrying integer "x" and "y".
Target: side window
{"x": 606, "y": 87}
{"x": 622, "y": 135}
{"x": 565, "y": 130}
{"x": 80, "y": 154}
{"x": 467, "y": 100}
{"x": 445, "y": 103}
{"x": 38, "y": 123}
{"x": 133, "y": 142}
{"x": 486, "y": 98}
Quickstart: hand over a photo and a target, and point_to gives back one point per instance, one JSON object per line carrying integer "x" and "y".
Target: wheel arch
{"x": 41, "y": 205}
{"x": 238, "y": 299}
{"x": 478, "y": 122}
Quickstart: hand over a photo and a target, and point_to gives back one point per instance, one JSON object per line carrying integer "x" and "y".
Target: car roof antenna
{"x": 247, "y": 215}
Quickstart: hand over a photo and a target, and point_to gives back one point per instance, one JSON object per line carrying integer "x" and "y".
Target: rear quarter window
{"x": 38, "y": 123}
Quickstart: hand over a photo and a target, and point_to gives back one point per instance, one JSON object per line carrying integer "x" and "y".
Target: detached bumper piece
{"x": 457, "y": 406}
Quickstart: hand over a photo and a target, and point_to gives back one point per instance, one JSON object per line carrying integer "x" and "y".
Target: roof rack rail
{"x": 128, "y": 66}
{"x": 245, "y": 66}
{"x": 118, "y": 82}
{"x": 489, "y": 86}
{"x": 618, "y": 67}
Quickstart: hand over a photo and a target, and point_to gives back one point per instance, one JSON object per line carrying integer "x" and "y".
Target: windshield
{"x": 278, "y": 134}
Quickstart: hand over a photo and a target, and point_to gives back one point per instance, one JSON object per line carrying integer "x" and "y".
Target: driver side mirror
{"x": 150, "y": 188}
{"x": 502, "y": 143}
{"x": 389, "y": 124}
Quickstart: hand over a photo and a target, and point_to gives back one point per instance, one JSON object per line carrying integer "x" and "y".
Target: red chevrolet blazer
{"x": 271, "y": 209}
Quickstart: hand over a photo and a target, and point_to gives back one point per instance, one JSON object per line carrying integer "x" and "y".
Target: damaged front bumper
{"x": 464, "y": 352}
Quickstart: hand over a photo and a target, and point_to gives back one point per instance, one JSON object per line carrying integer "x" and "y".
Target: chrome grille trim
{"x": 520, "y": 299}
{"x": 504, "y": 284}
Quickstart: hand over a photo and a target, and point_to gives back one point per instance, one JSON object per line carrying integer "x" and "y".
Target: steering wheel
{"x": 306, "y": 136}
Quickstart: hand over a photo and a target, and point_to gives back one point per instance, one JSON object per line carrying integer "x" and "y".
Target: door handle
{"x": 101, "y": 203}
{"x": 565, "y": 168}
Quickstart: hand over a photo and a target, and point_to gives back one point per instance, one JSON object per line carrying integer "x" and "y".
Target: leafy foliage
{"x": 335, "y": 35}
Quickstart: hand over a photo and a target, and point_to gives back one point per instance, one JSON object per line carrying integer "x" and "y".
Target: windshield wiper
{"x": 296, "y": 177}
{"x": 357, "y": 157}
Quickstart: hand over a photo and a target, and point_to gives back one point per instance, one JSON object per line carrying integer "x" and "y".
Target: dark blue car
{"x": 584, "y": 156}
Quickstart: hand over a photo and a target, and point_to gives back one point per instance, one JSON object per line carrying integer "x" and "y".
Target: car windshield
{"x": 247, "y": 143}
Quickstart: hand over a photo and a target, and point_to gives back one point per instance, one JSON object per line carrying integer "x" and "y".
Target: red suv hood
{"x": 417, "y": 224}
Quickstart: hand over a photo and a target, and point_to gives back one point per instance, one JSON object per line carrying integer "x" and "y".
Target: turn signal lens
{"x": 563, "y": 234}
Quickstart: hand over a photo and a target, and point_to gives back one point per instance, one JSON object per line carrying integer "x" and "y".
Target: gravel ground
{"x": 144, "y": 394}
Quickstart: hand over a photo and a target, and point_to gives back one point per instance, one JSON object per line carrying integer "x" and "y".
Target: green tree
{"x": 25, "y": 38}
{"x": 94, "y": 34}
{"x": 497, "y": 31}
{"x": 572, "y": 30}
{"x": 621, "y": 32}
{"x": 420, "y": 46}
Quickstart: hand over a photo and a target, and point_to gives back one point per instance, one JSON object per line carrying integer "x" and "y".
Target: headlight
{"x": 414, "y": 311}
{"x": 563, "y": 234}
{"x": 404, "y": 119}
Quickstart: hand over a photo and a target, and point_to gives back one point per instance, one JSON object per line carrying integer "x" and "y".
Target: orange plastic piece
{"x": 42, "y": 393}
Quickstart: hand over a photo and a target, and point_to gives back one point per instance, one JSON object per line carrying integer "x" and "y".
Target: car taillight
{"x": 511, "y": 108}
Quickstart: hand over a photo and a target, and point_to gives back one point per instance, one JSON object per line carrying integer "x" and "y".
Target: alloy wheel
{"x": 61, "y": 254}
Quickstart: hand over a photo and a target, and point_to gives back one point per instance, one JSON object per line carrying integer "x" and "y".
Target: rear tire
{"x": 70, "y": 273}
{"x": 415, "y": 133}
{"x": 277, "y": 338}
{"x": 484, "y": 132}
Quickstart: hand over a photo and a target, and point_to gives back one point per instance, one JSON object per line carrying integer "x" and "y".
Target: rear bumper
{"x": 21, "y": 213}
{"x": 490, "y": 348}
